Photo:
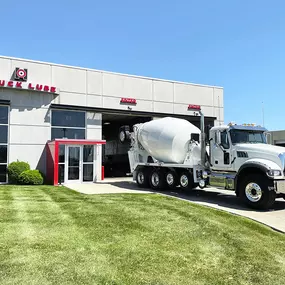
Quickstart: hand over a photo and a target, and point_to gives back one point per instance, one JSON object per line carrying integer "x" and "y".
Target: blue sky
{"x": 239, "y": 45}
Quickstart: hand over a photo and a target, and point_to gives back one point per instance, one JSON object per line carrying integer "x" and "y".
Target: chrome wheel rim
{"x": 184, "y": 180}
{"x": 155, "y": 179}
{"x": 169, "y": 179}
{"x": 141, "y": 178}
{"x": 253, "y": 192}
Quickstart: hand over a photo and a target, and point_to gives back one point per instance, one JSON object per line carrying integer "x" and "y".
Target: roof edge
{"x": 109, "y": 72}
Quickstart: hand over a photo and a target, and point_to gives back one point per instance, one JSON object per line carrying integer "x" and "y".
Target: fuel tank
{"x": 167, "y": 139}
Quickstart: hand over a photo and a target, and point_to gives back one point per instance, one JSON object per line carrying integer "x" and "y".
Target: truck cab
{"x": 229, "y": 145}
{"x": 240, "y": 159}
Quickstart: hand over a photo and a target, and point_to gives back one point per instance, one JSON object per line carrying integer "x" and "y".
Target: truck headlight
{"x": 273, "y": 172}
{"x": 202, "y": 184}
{"x": 204, "y": 174}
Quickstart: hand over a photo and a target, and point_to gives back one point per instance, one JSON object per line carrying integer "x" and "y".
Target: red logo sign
{"x": 27, "y": 86}
{"x": 21, "y": 74}
{"x": 128, "y": 101}
{"x": 194, "y": 107}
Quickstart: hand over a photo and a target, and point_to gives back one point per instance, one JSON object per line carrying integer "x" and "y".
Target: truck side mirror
{"x": 268, "y": 138}
{"x": 218, "y": 138}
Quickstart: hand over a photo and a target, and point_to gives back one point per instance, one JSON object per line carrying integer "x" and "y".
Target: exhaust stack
{"x": 203, "y": 135}
{"x": 203, "y": 138}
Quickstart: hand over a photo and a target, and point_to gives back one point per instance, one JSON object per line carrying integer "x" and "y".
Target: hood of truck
{"x": 264, "y": 151}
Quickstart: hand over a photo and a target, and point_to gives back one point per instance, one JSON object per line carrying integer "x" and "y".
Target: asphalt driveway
{"x": 223, "y": 200}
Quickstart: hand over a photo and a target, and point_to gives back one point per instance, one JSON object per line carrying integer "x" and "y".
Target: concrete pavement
{"x": 219, "y": 199}
{"x": 227, "y": 201}
{"x": 108, "y": 186}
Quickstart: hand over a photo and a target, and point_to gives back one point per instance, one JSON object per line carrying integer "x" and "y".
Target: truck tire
{"x": 142, "y": 178}
{"x": 186, "y": 180}
{"x": 254, "y": 191}
{"x": 171, "y": 179}
{"x": 157, "y": 180}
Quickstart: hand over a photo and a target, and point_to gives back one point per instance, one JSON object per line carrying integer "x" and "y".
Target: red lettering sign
{"x": 39, "y": 87}
{"x": 30, "y": 86}
{"x": 19, "y": 84}
{"x": 194, "y": 107}
{"x": 129, "y": 100}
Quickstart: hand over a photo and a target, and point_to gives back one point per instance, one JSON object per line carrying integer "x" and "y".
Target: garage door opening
{"x": 114, "y": 154}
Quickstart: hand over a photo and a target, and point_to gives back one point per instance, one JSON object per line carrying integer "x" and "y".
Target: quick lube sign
{"x": 19, "y": 82}
{"x": 28, "y": 86}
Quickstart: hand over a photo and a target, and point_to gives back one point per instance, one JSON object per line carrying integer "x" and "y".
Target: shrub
{"x": 31, "y": 177}
{"x": 15, "y": 169}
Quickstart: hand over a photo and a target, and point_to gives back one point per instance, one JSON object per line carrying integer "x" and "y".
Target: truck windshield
{"x": 244, "y": 136}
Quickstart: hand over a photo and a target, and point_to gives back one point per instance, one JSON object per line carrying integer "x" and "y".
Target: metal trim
{"x": 124, "y": 112}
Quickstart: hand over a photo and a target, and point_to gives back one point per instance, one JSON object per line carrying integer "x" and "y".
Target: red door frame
{"x": 59, "y": 142}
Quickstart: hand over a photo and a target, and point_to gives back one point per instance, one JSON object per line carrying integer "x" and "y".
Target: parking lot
{"x": 219, "y": 199}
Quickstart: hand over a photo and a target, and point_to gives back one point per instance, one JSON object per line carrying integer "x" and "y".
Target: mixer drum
{"x": 167, "y": 139}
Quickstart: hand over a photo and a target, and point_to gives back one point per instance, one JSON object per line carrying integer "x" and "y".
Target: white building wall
{"x": 30, "y": 120}
{"x": 29, "y": 128}
{"x": 99, "y": 89}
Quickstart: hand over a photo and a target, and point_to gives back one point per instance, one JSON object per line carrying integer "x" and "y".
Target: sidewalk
{"x": 109, "y": 186}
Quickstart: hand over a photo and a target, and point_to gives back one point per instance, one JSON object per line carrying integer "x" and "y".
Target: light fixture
{"x": 107, "y": 123}
{"x": 202, "y": 184}
{"x": 205, "y": 174}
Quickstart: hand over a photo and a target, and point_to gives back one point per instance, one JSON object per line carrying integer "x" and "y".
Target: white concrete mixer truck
{"x": 170, "y": 152}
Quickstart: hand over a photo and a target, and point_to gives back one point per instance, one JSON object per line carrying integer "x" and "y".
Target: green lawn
{"x": 56, "y": 236}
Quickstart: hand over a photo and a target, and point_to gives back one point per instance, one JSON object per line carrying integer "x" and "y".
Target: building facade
{"x": 277, "y": 137}
{"x": 78, "y": 110}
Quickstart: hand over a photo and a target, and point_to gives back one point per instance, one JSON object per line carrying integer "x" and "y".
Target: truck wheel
{"x": 171, "y": 179}
{"x": 156, "y": 180}
{"x": 255, "y": 191}
{"x": 142, "y": 178}
{"x": 186, "y": 181}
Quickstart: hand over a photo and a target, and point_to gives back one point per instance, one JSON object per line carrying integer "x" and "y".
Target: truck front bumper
{"x": 280, "y": 186}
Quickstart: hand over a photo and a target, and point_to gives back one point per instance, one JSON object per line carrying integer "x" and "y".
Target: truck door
{"x": 221, "y": 151}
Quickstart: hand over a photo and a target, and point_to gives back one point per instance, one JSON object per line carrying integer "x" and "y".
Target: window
{"x": 216, "y": 137}
{"x": 247, "y": 136}
{"x": 64, "y": 118}
{"x": 3, "y": 153}
{"x": 58, "y": 133}
{"x": 225, "y": 140}
{"x": 88, "y": 161}
{"x": 68, "y": 124}
{"x": 3, "y": 115}
{"x": 4, "y": 121}
{"x": 4, "y": 134}
{"x": 61, "y": 163}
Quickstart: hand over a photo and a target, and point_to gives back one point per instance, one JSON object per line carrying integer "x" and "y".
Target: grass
{"x": 56, "y": 236}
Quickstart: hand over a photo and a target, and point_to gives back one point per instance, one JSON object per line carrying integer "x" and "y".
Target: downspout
{"x": 203, "y": 139}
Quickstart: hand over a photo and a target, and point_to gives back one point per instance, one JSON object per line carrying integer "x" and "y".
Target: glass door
{"x": 88, "y": 163}
{"x": 74, "y": 159}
